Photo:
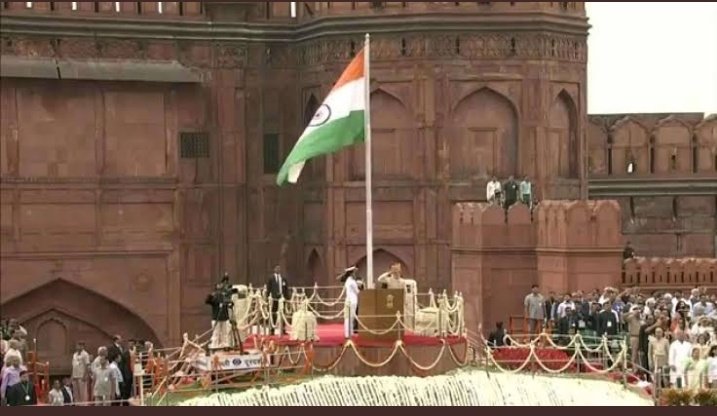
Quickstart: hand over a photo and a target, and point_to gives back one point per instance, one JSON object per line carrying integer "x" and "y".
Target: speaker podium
{"x": 377, "y": 311}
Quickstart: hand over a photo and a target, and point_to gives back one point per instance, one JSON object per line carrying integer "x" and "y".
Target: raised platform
{"x": 412, "y": 355}
{"x": 332, "y": 335}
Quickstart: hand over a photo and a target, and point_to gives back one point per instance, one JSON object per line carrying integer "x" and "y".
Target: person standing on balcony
{"x": 526, "y": 192}
{"x": 510, "y": 188}
{"x": 493, "y": 191}
{"x": 80, "y": 372}
{"x": 628, "y": 252}
{"x": 534, "y": 310}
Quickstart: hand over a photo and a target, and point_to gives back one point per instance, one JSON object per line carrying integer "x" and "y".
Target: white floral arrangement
{"x": 463, "y": 388}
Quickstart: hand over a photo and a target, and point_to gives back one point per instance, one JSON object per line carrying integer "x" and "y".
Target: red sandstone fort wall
{"x": 669, "y": 201}
{"x": 564, "y": 246}
{"x": 133, "y": 222}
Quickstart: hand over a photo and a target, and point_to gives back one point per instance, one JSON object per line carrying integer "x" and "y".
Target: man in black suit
{"x": 125, "y": 367}
{"x": 22, "y": 393}
{"x": 497, "y": 338}
{"x": 567, "y": 326}
{"x": 607, "y": 322}
{"x": 67, "y": 391}
{"x": 510, "y": 188}
{"x": 277, "y": 287}
{"x": 115, "y": 349}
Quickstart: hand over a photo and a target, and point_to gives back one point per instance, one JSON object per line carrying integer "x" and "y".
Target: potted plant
{"x": 705, "y": 398}
{"x": 675, "y": 397}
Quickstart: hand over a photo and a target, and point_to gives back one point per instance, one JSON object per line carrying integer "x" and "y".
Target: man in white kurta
{"x": 352, "y": 292}
{"x": 393, "y": 278}
{"x": 680, "y": 351}
{"x": 491, "y": 189}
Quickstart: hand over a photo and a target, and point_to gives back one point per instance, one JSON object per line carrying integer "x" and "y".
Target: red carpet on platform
{"x": 332, "y": 335}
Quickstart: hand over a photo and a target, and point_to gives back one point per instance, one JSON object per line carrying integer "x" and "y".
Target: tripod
{"x": 237, "y": 337}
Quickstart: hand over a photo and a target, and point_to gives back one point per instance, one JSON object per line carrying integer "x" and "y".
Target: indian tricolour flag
{"x": 339, "y": 122}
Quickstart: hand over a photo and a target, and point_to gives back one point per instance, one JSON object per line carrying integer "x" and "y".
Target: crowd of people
{"x": 671, "y": 336}
{"x": 15, "y": 386}
{"x": 509, "y": 192}
{"x": 103, "y": 380}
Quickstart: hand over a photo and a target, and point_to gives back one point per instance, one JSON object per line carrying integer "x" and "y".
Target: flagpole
{"x": 369, "y": 196}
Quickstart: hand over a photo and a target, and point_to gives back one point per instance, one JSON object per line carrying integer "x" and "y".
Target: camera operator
{"x": 221, "y": 304}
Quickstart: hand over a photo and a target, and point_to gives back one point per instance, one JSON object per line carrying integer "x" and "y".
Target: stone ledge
{"x": 611, "y": 187}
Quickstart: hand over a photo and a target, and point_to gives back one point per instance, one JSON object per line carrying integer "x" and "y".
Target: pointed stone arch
{"x": 85, "y": 315}
{"x": 53, "y": 341}
{"x": 392, "y": 142}
{"x": 483, "y": 136}
{"x": 315, "y": 270}
{"x": 706, "y": 145}
{"x": 671, "y": 149}
{"x": 631, "y": 143}
{"x": 563, "y": 146}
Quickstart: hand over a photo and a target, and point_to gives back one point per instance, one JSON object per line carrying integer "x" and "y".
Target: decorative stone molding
{"x": 32, "y": 47}
{"x": 231, "y": 56}
{"x": 78, "y": 48}
{"x": 194, "y": 54}
{"x": 430, "y": 46}
{"x": 316, "y": 52}
{"x": 121, "y": 49}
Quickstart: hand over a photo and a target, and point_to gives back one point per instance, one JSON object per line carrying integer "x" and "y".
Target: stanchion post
{"x": 624, "y": 363}
{"x": 141, "y": 391}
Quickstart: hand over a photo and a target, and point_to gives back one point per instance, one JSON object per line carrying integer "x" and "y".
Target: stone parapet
{"x": 561, "y": 246}
{"x": 670, "y": 273}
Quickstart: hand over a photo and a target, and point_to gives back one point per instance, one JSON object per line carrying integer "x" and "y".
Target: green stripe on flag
{"x": 329, "y": 138}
